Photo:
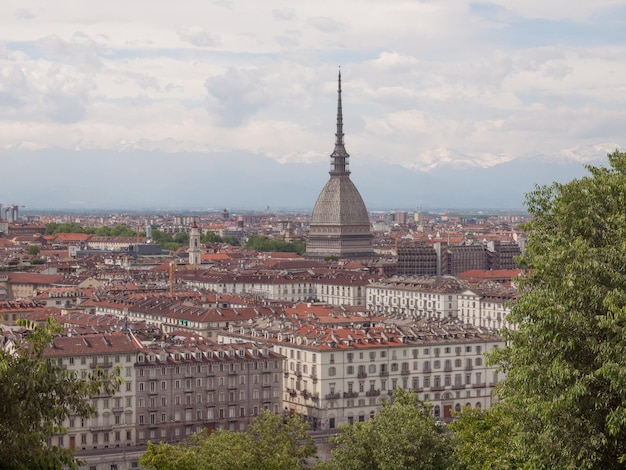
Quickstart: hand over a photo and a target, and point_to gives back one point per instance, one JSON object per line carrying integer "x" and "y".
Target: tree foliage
{"x": 483, "y": 440}
{"x": 268, "y": 444}
{"x": 565, "y": 386}
{"x": 265, "y": 244}
{"x": 211, "y": 237}
{"x": 403, "y": 435}
{"x": 53, "y": 228}
{"x": 37, "y": 395}
{"x": 119, "y": 230}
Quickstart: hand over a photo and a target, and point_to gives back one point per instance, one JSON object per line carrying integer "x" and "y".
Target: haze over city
{"x": 232, "y": 103}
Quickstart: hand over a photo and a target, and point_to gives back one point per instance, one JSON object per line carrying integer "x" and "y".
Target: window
{"x": 332, "y": 371}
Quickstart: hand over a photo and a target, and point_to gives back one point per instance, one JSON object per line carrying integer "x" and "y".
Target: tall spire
{"x": 339, "y": 164}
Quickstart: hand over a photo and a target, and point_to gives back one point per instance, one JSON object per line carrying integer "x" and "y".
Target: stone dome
{"x": 340, "y": 203}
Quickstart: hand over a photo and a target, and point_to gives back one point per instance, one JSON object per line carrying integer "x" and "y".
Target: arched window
{"x": 436, "y": 411}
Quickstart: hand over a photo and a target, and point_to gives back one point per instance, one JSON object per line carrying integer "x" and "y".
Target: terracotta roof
{"x": 71, "y": 237}
{"x": 34, "y": 278}
{"x": 114, "y": 343}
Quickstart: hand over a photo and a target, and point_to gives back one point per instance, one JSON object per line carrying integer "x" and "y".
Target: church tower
{"x": 194, "y": 245}
{"x": 340, "y": 224}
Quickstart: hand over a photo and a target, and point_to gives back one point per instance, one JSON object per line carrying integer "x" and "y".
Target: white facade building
{"x": 336, "y": 376}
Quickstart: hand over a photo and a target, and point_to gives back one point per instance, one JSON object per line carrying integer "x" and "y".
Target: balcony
{"x": 482, "y": 385}
{"x": 350, "y": 394}
{"x": 384, "y": 373}
{"x": 105, "y": 428}
{"x": 469, "y": 367}
{"x": 361, "y": 375}
{"x": 458, "y": 387}
{"x": 447, "y": 369}
{"x": 333, "y": 396}
{"x": 405, "y": 372}
{"x": 372, "y": 393}
{"x": 101, "y": 365}
{"x": 292, "y": 392}
{"x": 305, "y": 394}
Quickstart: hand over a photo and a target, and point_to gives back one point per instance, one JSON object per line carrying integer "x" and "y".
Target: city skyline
{"x": 154, "y": 101}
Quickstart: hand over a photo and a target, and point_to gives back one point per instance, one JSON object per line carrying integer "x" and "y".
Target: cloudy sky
{"x": 425, "y": 83}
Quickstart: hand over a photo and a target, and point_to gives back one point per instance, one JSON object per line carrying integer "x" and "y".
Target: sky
{"x": 426, "y": 85}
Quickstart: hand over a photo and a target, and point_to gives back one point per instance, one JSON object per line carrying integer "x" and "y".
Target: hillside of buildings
{"x": 209, "y": 340}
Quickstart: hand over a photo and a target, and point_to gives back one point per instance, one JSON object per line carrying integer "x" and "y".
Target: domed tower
{"x": 340, "y": 223}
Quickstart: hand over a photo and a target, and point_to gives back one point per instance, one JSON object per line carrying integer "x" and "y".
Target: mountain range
{"x": 71, "y": 180}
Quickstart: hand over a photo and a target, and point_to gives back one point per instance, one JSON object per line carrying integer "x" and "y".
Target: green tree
{"x": 483, "y": 440}
{"x": 119, "y": 230}
{"x": 161, "y": 237}
{"x": 53, "y": 228}
{"x": 265, "y": 244}
{"x": 182, "y": 238}
{"x": 403, "y": 435}
{"x": 565, "y": 386}
{"x": 268, "y": 444}
{"x": 37, "y": 395}
{"x": 33, "y": 250}
{"x": 211, "y": 237}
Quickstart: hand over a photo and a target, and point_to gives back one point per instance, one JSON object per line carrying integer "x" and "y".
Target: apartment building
{"x": 449, "y": 259}
{"x": 171, "y": 315}
{"x": 190, "y": 384}
{"x": 416, "y": 297}
{"x": 336, "y": 288}
{"x": 114, "y": 425}
{"x": 335, "y": 376}
{"x": 487, "y": 306}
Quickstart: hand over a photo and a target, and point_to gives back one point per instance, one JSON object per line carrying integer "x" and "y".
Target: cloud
{"x": 36, "y": 91}
{"x": 197, "y": 36}
{"x": 80, "y": 50}
{"x": 24, "y": 14}
{"x": 237, "y": 95}
{"x": 327, "y": 24}
{"x": 284, "y": 14}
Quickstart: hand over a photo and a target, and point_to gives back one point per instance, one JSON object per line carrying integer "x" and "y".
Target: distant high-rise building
{"x": 340, "y": 223}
